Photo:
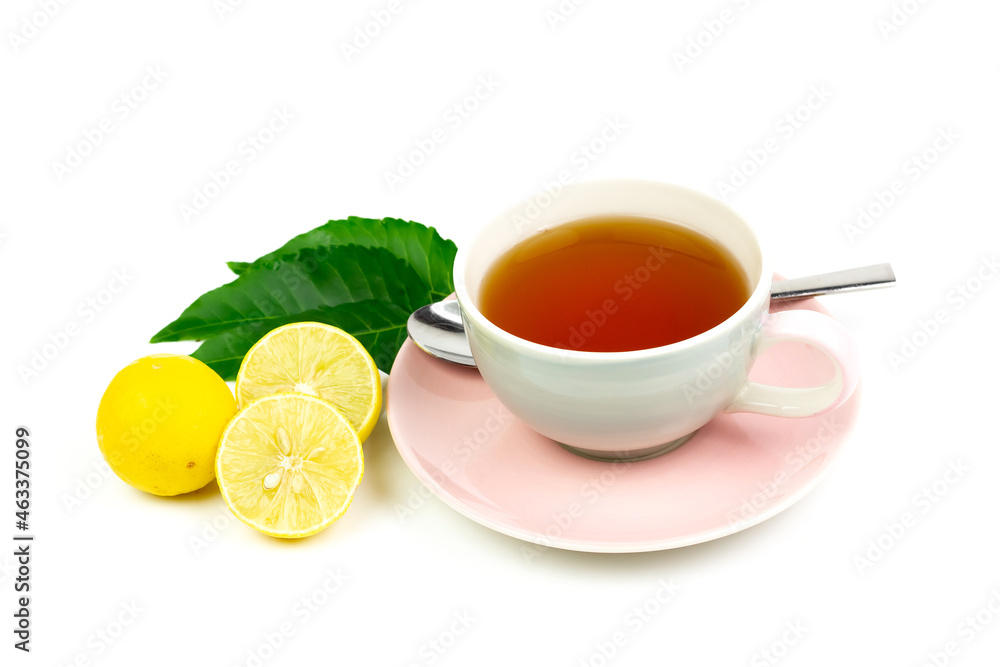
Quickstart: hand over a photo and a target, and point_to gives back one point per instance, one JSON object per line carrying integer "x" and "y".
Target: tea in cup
{"x": 597, "y": 319}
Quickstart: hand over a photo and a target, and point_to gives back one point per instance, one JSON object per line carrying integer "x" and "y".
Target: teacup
{"x": 637, "y": 404}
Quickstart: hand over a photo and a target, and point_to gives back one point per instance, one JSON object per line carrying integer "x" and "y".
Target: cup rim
{"x": 759, "y": 295}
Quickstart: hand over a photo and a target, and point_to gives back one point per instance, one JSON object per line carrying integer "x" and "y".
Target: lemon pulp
{"x": 288, "y": 464}
{"x": 318, "y": 360}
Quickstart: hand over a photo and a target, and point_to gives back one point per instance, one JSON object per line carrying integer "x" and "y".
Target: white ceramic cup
{"x": 638, "y": 404}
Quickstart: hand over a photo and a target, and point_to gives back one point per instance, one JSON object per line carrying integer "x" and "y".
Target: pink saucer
{"x": 737, "y": 471}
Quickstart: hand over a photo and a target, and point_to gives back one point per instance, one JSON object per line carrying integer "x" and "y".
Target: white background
{"x": 101, "y": 545}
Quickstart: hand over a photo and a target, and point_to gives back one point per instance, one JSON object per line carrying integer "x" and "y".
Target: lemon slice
{"x": 319, "y": 360}
{"x": 288, "y": 465}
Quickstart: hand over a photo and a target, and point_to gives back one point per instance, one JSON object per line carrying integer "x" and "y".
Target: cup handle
{"x": 821, "y": 332}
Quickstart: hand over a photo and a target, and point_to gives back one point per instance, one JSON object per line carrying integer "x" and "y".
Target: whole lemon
{"x": 160, "y": 421}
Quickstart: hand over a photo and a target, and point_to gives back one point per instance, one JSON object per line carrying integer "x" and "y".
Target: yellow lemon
{"x": 159, "y": 423}
{"x": 288, "y": 465}
{"x": 319, "y": 360}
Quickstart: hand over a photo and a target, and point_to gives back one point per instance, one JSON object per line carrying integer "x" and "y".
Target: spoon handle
{"x": 850, "y": 280}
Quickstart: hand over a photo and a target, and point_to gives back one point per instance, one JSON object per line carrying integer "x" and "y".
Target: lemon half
{"x": 319, "y": 360}
{"x": 288, "y": 465}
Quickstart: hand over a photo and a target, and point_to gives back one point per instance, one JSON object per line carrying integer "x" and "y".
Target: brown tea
{"x": 611, "y": 284}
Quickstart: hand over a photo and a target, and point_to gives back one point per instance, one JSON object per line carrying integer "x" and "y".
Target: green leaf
{"x": 224, "y": 354}
{"x": 379, "y": 326}
{"x": 273, "y": 292}
{"x": 422, "y": 247}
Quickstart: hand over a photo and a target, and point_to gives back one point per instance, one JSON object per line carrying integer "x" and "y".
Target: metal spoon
{"x": 437, "y": 328}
